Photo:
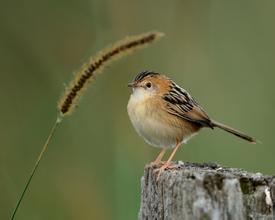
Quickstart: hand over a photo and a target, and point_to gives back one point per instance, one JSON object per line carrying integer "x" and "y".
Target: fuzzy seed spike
{"x": 97, "y": 63}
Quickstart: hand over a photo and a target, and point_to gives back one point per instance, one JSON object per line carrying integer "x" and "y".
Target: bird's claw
{"x": 157, "y": 163}
{"x": 163, "y": 168}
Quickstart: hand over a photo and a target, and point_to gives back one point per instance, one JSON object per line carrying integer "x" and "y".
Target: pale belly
{"x": 153, "y": 127}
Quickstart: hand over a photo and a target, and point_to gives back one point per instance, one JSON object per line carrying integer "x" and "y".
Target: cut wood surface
{"x": 206, "y": 191}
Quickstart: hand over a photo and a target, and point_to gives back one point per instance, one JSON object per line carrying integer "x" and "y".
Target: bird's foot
{"x": 165, "y": 166}
{"x": 157, "y": 163}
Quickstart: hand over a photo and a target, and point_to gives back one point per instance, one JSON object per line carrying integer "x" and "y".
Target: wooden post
{"x": 206, "y": 191}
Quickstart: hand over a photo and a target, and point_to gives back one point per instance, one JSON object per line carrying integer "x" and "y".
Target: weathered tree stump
{"x": 206, "y": 191}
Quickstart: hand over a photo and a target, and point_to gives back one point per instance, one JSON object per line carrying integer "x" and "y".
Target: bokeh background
{"x": 221, "y": 51}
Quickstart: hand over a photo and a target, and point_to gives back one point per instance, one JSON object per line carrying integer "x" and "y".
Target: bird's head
{"x": 148, "y": 84}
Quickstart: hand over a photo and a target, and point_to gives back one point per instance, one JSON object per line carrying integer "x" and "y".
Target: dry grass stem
{"x": 78, "y": 85}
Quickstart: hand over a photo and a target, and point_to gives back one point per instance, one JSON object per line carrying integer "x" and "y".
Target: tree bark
{"x": 206, "y": 191}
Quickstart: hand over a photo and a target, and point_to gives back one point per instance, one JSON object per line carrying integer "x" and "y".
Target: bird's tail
{"x": 234, "y": 131}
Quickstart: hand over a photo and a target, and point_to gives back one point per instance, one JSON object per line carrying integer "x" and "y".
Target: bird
{"x": 167, "y": 116}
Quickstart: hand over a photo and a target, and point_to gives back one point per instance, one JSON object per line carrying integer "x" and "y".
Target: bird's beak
{"x": 131, "y": 84}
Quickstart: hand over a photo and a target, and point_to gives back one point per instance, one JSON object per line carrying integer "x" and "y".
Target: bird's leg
{"x": 159, "y": 157}
{"x": 167, "y": 164}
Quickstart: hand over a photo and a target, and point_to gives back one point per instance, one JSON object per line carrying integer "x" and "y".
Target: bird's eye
{"x": 148, "y": 85}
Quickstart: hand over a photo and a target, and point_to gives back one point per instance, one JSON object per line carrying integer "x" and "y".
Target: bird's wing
{"x": 181, "y": 104}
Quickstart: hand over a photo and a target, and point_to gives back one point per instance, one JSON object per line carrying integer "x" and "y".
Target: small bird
{"x": 166, "y": 115}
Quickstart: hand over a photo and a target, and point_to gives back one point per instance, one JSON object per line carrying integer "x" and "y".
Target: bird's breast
{"x": 155, "y": 125}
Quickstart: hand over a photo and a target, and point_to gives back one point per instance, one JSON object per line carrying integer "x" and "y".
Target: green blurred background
{"x": 221, "y": 51}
